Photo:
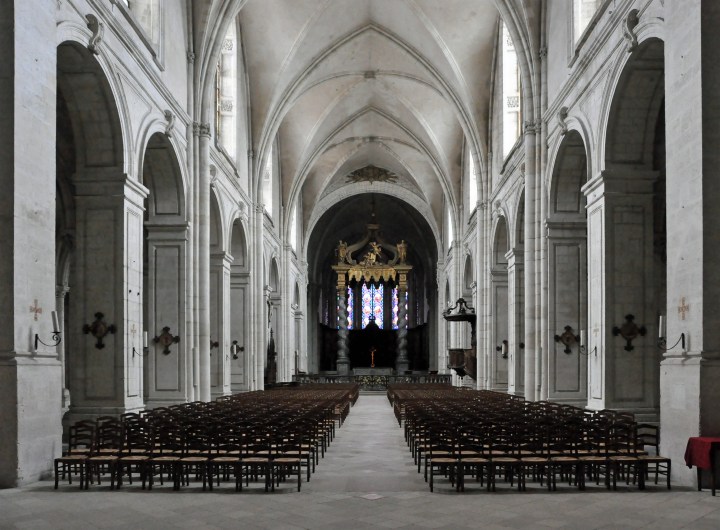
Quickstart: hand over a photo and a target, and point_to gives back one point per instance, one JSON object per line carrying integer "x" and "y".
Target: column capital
{"x": 201, "y": 129}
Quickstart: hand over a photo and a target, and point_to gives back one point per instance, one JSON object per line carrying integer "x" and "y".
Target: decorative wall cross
{"x": 629, "y": 331}
{"x": 35, "y": 308}
{"x": 683, "y": 308}
{"x": 99, "y": 329}
{"x": 133, "y": 330}
{"x": 165, "y": 339}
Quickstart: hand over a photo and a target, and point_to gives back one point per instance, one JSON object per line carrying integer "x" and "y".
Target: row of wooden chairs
{"x": 457, "y": 433}
{"x": 267, "y": 436}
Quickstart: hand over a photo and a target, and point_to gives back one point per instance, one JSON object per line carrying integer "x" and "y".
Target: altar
{"x": 373, "y": 371}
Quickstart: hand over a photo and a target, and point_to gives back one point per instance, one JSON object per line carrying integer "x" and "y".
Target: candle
{"x": 145, "y": 339}
{"x": 56, "y": 324}
{"x": 583, "y": 337}
{"x": 661, "y": 327}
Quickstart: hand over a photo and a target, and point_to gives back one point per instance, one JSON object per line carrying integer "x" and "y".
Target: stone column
{"x": 689, "y": 377}
{"x": 240, "y": 369}
{"x": 343, "y": 359}
{"x": 203, "y": 262}
{"x": 620, "y": 257}
{"x": 106, "y": 377}
{"x": 220, "y": 324}
{"x": 532, "y": 315}
{"x": 30, "y": 380}
{"x": 402, "y": 363}
{"x": 60, "y": 292}
{"x": 567, "y": 299}
{"x": 168, "y": 376}
{"x": 498, "y": 373}
{"x": 516, "y": 368}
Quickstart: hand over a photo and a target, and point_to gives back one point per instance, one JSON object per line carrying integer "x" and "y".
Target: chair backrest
{"x": 648, "y": 435}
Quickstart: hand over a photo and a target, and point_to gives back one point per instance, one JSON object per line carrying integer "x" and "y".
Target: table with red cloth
{"x": 700, "y": 452}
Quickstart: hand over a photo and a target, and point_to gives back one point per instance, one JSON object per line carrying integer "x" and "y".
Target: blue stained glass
{"x": 350, "y": 308}
{"x": 372, "y": 304}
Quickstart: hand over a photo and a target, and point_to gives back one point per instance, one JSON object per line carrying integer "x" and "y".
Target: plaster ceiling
{"x": 341, "y": 84}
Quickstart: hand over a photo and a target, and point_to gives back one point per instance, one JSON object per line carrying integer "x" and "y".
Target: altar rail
{"x": 374, "y": 382}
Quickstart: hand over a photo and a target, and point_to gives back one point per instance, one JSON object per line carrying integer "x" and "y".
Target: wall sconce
{"x": 235, "y": 349}
{"x": 583, "y": 344}
{"x": 145, "y": 349}
{"x": 213, "y": 344}
{"x": 165, "y": 339}
{"x": 662, "y": 336}
{"x": 568, "y": 338}
{"x": 56, "y": 334}
{"x": 629, "y": 331}
{"x": 503, "y": 349}
{"x": 99, "y": 329}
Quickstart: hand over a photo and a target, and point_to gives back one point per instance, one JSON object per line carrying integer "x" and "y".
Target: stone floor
{"x": 367, "y": 480}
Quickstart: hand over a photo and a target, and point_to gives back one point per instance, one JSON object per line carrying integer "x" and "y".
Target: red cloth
{"x": 697, "y": 452}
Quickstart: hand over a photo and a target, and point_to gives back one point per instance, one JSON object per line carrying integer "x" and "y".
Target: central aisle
{"x": 368, "y": 454}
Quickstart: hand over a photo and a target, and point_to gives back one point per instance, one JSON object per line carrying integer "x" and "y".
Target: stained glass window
{"x": 372, "y": 304}
{"x": 396, "y": 308}
{"x": 350, "y": 308}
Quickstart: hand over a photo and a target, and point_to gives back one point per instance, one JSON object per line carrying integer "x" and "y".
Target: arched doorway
{"x": 394, "y": 220}
{"x": 499, "y": 356}
{"x": 98, "y": 275}
{"x": 242, "y": 360}
{"x": 626, "y": 235}
{"x": 567, "y": 274}
{"x": 170, "y": 371}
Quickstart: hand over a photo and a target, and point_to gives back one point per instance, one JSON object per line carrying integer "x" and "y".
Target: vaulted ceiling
{"x": 342, "y": 84}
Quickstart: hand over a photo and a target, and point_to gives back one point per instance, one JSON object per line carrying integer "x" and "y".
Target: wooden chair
{"x": 165, "y": 452}
{"x": 648, "y": 435}
{"x": 288, "y": 458}
{"x": 442, "y": 456}
{"x": 135, "y": 450}
{"x": 74, "y": 461}
{"x": 105, "y": 451}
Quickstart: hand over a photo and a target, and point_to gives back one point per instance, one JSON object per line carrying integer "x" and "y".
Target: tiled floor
{"x": 367, "y": 480}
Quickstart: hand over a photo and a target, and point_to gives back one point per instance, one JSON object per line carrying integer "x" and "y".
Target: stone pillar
{"x": 498, "y": 366}
{"x": 516, "y": 364}
{"x": 60, "y": 292}
{"x": 168, "y": 376}
{"x": 203, "y": 262}
{"x": 620, "y": 257}
{"x": 532, "y": 314}
{"x": 241, "y": 368}
{"x": 689, "y": 377}
{"x": 343, "y": 359}
{"x": 220, "y": 324}
{"x": 567, "y": 299}
{"x": 30, "y": 380}
{"x": 402, "y": 363}
{"x": 107, "y": 279}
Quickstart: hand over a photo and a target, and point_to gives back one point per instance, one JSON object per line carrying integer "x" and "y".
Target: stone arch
{"x": 165, "y": 279}
{"x": 162, "y": 174}
{"x": 629, "y": 212}
{"x": 567, "y": 269}
{"x": 501, "y": 242}
{"x": 499, "y": 325}
{"x": 238, "y": 246}
{"x": 240, "y": 286}
{"x": 636, "y": 100}
{"x": 85, "y": 89}
{"x": 569, "y": 175}
{"x": 97, "y": 212}
{"x": 468, "y": 277}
